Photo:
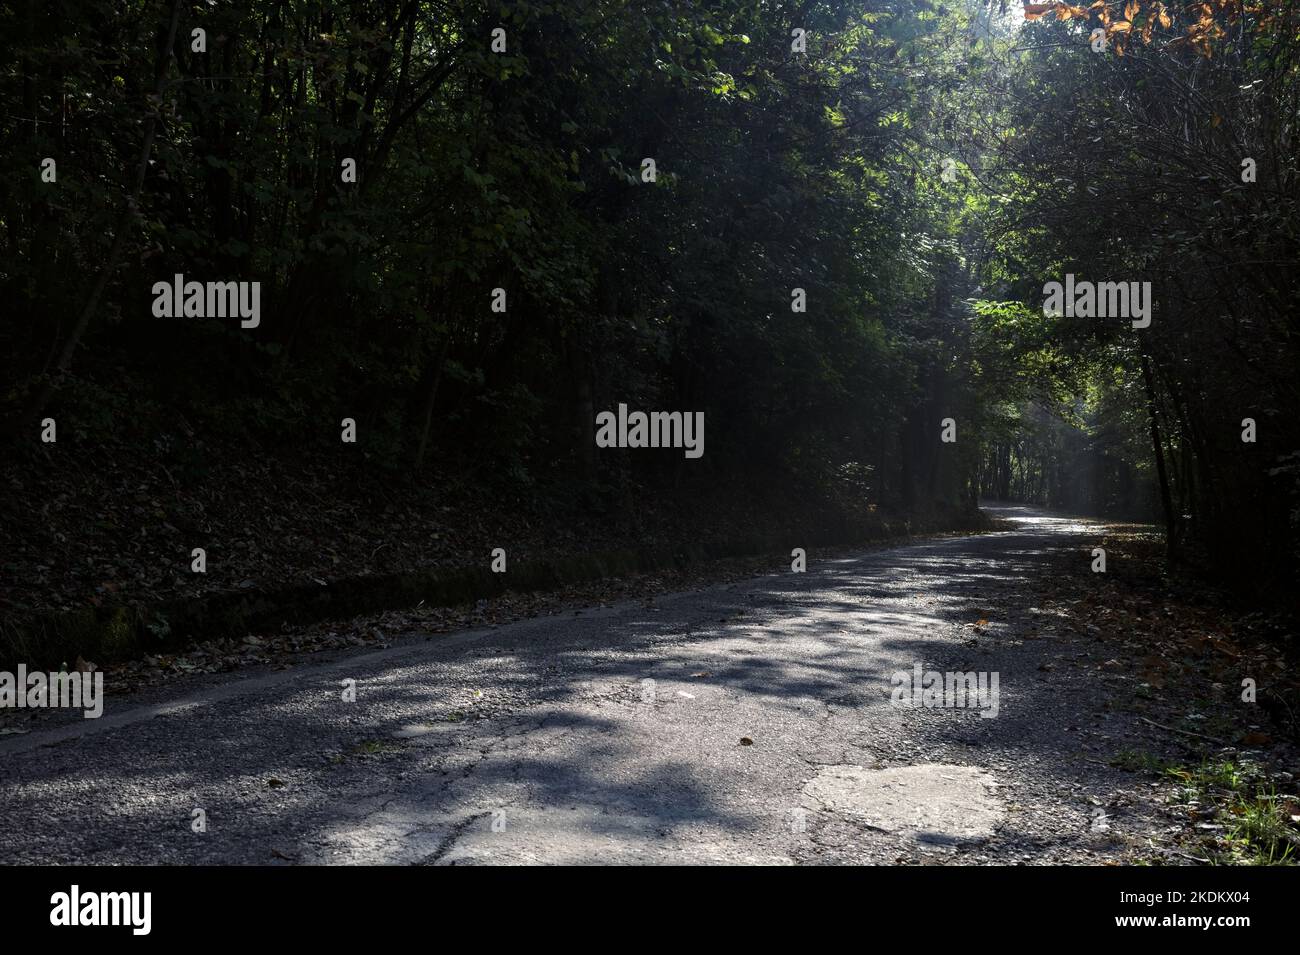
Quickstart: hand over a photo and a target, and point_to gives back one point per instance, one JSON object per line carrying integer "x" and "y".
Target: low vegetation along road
{"x": 760, "y": 721}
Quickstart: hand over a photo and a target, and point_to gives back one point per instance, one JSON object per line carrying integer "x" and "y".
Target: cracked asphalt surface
{"x": 749, "y": 722}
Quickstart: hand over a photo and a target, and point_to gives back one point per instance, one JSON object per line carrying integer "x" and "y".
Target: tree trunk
{"x": 1158, "y": 447}
{"x": 431, "y": 396}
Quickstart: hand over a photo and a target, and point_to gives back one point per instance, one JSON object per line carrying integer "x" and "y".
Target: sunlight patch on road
{"x": 585, "y": 835}
{"x": 932, "y": 803}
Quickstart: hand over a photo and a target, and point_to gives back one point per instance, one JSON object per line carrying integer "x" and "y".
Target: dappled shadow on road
{"x": 623, "y": 732}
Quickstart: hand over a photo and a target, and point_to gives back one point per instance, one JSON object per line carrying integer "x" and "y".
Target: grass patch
{"x": 374, "y": 747}
{"x": 1131, "y": 761}
{"x": 1252, "y": 824}
{"x": 367, "y": 747}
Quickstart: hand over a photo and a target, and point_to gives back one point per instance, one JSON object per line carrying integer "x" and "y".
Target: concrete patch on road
{"x": 932, "y": 803}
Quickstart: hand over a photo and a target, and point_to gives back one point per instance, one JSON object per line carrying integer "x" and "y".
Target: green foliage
{"x": 920, "y": 173}
{"x": 518, "y": 170}
{"x": 1132, "y": 168}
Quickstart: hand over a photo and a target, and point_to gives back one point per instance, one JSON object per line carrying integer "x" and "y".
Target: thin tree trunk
{"x": 1158, "y": 447}
{"x": 430, "y": 398}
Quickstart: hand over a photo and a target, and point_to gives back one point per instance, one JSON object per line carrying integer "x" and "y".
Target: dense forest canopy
{"x": 828, "y": 226}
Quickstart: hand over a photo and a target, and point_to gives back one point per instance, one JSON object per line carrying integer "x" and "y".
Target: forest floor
{"x": 747, "y": 718}
{"x": 113, "y": 522}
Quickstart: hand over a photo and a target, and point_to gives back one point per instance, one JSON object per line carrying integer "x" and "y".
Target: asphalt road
{"x": 750, "y": 722}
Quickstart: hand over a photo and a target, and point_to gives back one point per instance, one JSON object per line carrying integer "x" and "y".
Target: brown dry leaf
{"x": 1223, "y": 647}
